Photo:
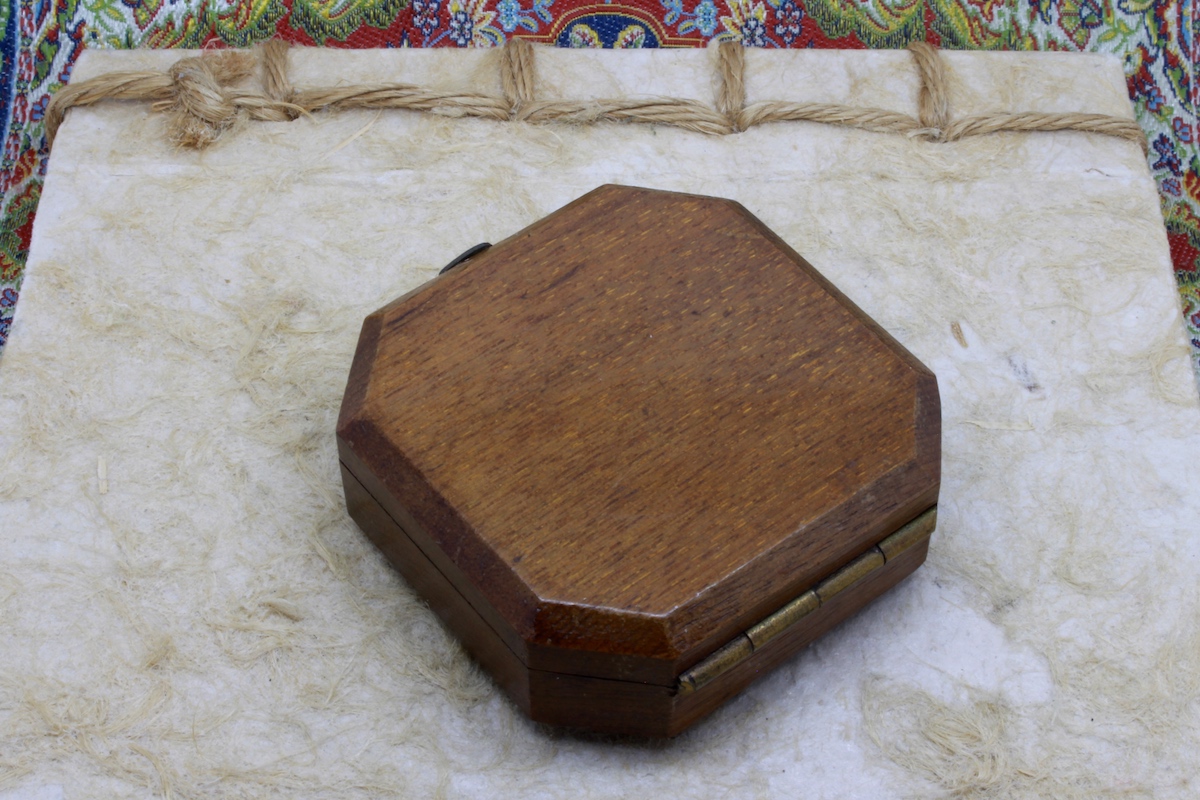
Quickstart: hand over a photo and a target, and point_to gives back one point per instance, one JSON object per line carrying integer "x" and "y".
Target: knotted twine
{"x": 201, "y": 96}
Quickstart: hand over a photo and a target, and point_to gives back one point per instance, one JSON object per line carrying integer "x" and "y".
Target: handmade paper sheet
{"x": 188, "y": 611}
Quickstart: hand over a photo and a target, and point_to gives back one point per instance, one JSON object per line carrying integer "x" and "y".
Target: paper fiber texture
{"x": 188, "y": 611}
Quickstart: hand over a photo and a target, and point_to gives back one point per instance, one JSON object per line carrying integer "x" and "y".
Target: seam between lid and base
{"x": 748, "y": 642}
{"x": 745, "y": 644}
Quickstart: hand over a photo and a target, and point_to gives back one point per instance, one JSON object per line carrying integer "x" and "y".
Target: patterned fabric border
{"x": 1158, "y": 40}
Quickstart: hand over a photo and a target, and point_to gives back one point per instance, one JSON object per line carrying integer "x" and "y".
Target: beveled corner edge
{"x": 525, "y": 627}
{"x": 359, "y": 379}
{"x": 746, "y": 643}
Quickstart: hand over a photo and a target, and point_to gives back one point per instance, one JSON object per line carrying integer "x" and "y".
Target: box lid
{"x": 636, "y": 428}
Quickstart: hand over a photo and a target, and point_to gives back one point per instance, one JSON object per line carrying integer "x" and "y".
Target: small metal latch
{"x": 471, "y": 253}
{"x": 744, "y": 644}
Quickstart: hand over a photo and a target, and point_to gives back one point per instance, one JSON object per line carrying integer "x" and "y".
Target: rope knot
{"x": 202, "y": 104}
{"x": 200, "y": 94}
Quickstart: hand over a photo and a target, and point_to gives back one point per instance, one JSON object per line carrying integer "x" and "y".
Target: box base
{"x": 597, "y": 704}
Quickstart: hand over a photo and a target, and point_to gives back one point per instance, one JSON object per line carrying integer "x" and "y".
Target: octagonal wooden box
{"x": 638, "y": 454}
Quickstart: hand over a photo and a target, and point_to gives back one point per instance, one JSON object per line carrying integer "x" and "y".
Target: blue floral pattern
{"x": 512, "y": 15}
{"x": 788, "y": 17}
{"x": 425, "y": 15}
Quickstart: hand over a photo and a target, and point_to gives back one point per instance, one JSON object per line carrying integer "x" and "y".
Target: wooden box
{"x": 637, "y": 455}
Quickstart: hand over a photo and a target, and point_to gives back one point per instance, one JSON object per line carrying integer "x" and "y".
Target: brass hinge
{"x": 744, "y": 644}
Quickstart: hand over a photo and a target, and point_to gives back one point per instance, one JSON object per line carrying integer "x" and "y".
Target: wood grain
{"x": 480, "y": 639}
{"x": 625, "y": 707}
{"x": 634, "y": 429}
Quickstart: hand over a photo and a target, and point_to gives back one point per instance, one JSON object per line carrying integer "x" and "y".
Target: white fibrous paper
{"x": 187, "y": 610}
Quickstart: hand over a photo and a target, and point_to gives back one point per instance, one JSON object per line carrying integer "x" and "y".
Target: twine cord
{"x": 201, "y": 95}
{"x": 933, "y": 98}
{"x": 731, "y": 91}
{"x": 518, "y": 75}
{"x": 276, "y": 84}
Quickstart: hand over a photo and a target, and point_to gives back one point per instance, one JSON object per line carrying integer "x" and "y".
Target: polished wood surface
{"x": 626, "y": 707}
{"x": 633, "y": 430}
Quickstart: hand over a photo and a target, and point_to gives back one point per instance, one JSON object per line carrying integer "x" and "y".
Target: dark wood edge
{"x": 375, "y": 462}
{"x": 900, "y": 350}
{"x": 471, "y": 625}
{"x": 641, "y": 710}
{"x": 415, "y": 531}
{"x": 851, "y": 543}
{"x": 690, "y": 708}
{"x": 535, "y": 656}
{"x": 796, "y": 610}
{"x": 475, "y": 634}
{"x": 928, "y": 425}
{"x": 928, "y": 436}
{"x": 686, "y": 645}
{"x": 359, "y": 380}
